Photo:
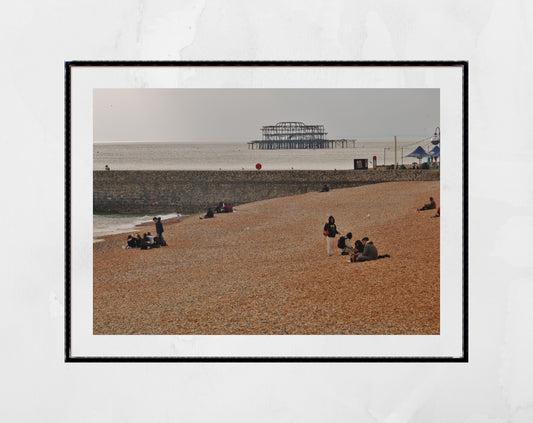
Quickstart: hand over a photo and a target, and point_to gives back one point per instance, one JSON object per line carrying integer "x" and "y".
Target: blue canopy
{"x": 418, "y": 153}
{"x": 435, "y": 152}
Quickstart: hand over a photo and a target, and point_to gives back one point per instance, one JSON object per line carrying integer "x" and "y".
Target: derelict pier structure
{"x": 296, "y": 135}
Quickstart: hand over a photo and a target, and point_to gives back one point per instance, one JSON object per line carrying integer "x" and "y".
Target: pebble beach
{"x": 264, "y": 270}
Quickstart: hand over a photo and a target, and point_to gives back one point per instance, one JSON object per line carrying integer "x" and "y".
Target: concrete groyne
{"x": 194, "y": 191}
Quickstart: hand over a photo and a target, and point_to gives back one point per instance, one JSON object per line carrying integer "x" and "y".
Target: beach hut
{"x": 419, "y": 153}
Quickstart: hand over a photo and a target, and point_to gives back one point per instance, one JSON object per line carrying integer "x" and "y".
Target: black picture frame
{"x": 70, "y": 65}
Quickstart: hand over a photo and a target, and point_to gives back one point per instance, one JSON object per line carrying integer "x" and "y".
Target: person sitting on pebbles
{"x": 131, "y": 242}
{"x": 358, "y": 246}
{"x": 370, "y": 252}
{"x": 148, "y": 239}
{"x": 345, "y": 245}
{"x": 430, "y": 206}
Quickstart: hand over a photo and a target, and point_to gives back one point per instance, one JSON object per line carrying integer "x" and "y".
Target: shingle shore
{"x": 264, "y": 269}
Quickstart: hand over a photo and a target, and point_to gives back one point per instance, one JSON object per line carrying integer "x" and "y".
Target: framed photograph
{"x": 266, "y": 211}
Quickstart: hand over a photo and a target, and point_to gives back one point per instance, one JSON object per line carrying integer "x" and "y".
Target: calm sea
{"x": 233, "y": 156}
{"x": 236, "y": 156}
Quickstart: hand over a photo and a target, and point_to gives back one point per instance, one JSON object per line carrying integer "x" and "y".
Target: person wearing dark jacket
{"x": 158, "y": 228}
{"x": 429, "y": 206}
{"x": 359, "y": 246}
{"x": 131, "y": 242}
{"x": 330, "y": 230}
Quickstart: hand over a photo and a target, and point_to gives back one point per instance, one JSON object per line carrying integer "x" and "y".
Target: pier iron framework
{"x": 296, "y": 135}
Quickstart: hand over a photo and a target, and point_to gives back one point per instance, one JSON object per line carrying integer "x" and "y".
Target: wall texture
{"x": 194, "y": 191}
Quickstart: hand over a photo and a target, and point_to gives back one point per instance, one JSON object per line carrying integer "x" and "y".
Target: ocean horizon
{"x": 236, "y": 155}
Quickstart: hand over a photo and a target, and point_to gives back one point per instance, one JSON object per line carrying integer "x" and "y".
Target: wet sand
{"x": 264, "y": 269}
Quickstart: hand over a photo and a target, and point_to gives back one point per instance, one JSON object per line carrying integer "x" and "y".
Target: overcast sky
{"x": 147, "y": 114}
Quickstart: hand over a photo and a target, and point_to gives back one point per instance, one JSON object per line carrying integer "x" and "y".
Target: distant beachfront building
{"x": 296, "y": 135}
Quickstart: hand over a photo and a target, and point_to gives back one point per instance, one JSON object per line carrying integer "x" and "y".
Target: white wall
{"x": 36, "y": 37}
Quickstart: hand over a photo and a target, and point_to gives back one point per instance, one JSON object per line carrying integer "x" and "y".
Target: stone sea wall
{"x": 195, "y": 191}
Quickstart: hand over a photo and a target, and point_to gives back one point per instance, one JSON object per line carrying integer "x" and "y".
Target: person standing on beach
{"x": 178, "y": 217}
{"x": 330, "y": 230}
{"x": 158, "y": 228}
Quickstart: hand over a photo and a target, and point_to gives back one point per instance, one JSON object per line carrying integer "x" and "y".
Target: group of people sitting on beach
{"x": 362, "y": 250}
{"x": 146, "y": 242}
{"x": 221, "y": 207}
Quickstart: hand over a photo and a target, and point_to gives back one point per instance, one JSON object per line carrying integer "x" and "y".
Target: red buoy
{"x": 258, "y": 166}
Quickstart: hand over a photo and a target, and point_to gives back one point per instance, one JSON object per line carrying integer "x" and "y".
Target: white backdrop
{"x": 37, "y": 37}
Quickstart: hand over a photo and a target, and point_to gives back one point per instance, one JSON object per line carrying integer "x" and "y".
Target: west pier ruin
{"x": 296, "y": 135}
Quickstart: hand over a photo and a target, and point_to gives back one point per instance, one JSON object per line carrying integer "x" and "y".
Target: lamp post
{"x": 435, "y": 140}
{"x": 395, "y": 154}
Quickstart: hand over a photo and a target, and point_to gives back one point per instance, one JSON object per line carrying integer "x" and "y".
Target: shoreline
{"x": 264, "y": 270}
{"x": 127, "y": 227}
